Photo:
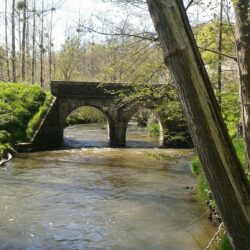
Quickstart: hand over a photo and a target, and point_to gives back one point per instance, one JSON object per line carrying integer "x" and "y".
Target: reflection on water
{"x": 100, "y": 198}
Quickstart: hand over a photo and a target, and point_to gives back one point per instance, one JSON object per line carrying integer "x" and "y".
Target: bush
{"x": 4, "y": 149}
{"x": 4, "y": 137}
{"x": 18, "y": 104}
{"x": 153, "y": 129}
{"x": 85, "y": 115}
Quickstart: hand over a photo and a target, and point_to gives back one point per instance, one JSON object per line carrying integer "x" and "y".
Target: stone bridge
{"x": 72, "y": 95}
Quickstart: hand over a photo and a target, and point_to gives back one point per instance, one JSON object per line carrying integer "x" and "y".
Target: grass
{"x": 19, "y": 102}
{"x": 35, "y": 121}
{"x": 204, "y": 192}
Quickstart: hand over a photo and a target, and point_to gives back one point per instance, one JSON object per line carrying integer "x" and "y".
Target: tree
{"x": 33, "y": 61}
{"x": 68, "y": 57}
{"x": 222, "y": 168}
{"x": 41, "y": 46}
{"x": 219, "y": 47}
{"x": 6, "y": 41}
{"x": 22, "y": 6}
{"x": 241, "y": 9}
{"x": 13, "y": 52}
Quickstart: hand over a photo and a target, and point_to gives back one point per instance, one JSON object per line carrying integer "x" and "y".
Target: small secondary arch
{"x": 151, "y": 121}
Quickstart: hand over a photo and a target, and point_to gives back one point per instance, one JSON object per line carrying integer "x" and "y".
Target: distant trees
{"x": 68, "y": 58}
{"x": 30, "y": 36}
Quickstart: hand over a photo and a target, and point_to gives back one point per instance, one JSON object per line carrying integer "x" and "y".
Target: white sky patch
{"x": 100, "y": 15}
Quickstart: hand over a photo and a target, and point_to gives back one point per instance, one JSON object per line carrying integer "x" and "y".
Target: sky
{"x": 69, "y": 13}
{"x": 99, "y": 14}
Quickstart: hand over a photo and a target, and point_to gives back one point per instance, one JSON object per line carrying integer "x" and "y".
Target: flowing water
{"x": 101, "y": 198}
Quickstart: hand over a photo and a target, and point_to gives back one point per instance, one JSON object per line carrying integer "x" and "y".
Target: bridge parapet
{"x": 85, "y": 89}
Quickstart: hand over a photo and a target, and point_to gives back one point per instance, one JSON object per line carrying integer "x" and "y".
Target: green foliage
{"x": 5, "y": 137}
{"x": 18, "y": 104}
{"x": 207, "y": 37}
{"x": 35, "y": 121}
{"x": 153, "y": 129}
{"x": 239, "y": 147}
{"x": 204, "y": 192}
{"x": 4, "y": 149}
{"x": 230, "y": 107}
{"x": 85, "y": 115}
{"x": 196, "y": 166}
{"x": 224, "y": 243}
{"x": 68, "y": 58}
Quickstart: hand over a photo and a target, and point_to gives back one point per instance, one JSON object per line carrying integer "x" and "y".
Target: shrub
{"x": 153, "y": 129}
{"x": 18, "y": 104}
{"x": 4, "y": 149}
{"x": 4, "y": 137}
{"x": 85, "y": 115}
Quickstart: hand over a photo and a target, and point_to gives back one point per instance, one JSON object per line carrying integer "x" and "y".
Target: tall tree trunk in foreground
{"x": 13, "y": 45}
{"x": 241, "y": 9}
{"x": 223, "y": 170}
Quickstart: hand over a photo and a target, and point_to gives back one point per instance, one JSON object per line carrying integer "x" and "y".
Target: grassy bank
{"x": 205, "y": 194}
{"x": 19, "y": 103}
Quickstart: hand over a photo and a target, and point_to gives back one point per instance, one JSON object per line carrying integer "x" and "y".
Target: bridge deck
{"x": 73, "y": 88}
{"x": 87, "y": 89}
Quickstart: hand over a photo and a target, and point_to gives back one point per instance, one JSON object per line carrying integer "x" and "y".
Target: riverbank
{"x": 206, "y": 197}
{"x": 21, "y": 108}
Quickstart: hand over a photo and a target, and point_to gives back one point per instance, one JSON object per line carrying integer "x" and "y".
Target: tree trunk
{"x": 23, "y": 41}
{"x": 27, "y": 47}
{"x": 6, "y": 41}
{"x": 41, "y": 46}
{"x": 219, "y": 48}
{"x": 13, "y": 45}
{"x": 241, "y": 8}
{"x": 223, "y": 170}
{"x": 33, "y": 44}
{"x": 50, "y": 42}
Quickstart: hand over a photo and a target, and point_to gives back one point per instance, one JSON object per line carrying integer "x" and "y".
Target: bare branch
{"x": 189, "y": 4}
{"x": 144, "y": 36}
{"x": 219, "y": 53}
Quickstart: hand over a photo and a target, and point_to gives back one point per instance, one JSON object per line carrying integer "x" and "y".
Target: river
{"x": 89, "y": 196}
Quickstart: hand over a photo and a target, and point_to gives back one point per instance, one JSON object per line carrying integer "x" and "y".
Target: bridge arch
{"x": 71, "y": 95}
{"x": 83, "y": 115}
{"x": 159, "y": 117}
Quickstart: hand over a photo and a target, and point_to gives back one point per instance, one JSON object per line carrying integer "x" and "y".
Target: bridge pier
{"x": 118, "y": 122}
{"x": 117, "y": 135}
